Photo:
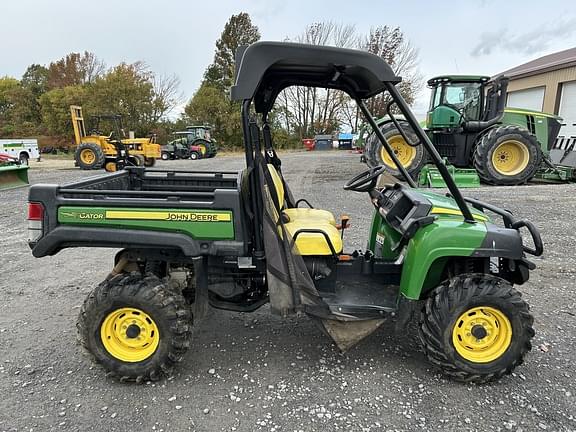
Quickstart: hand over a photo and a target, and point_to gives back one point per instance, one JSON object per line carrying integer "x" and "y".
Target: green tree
{"x": 210, "y": 104}
{"x": 34, "y": 83}
{"x": 8, "y": 86}
{"x": 55, "y": 109}
{"x": 238, "y": 31}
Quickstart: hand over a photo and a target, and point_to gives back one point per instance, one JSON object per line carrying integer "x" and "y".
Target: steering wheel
{"x": 365, "y": 181}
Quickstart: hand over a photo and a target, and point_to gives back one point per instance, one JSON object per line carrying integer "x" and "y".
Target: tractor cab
{"x": 456, "y": 100}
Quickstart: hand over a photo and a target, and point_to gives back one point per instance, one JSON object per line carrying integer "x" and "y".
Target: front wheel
{"x": 135, "y": 327}
{"x": 165, "y": 156}
{"x": 149, "y": 162}
{"x": 476, "y": 328}
{"x": 194, "y": 156}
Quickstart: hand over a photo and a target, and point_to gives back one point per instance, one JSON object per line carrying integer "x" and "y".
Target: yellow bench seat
{"x": 311, "y": 214}
{"x": 315, "y": 243}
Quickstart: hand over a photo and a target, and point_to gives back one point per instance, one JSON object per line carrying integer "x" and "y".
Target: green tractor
{"x": 188, "y": 240}
{"x": 470, "y": 127}
{"x": 199, "y": 140}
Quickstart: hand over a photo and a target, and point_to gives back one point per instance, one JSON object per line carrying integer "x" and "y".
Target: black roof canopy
{"x": 264, "y": 69}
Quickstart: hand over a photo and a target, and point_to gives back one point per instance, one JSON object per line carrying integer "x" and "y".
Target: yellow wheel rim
{"x": 482, "y": 334}
{"x": 130, "y": 335}
{"x": 87, "y": 156}
{"x": 110, "y": 166}
{"x": 401, "y": 149}
{"x": 510, "y": 157}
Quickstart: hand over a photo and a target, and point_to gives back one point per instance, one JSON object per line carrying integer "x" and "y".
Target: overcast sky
{"x": 177, "y": 37}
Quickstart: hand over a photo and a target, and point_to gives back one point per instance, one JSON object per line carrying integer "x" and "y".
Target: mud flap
{"x": 346, "y": 334}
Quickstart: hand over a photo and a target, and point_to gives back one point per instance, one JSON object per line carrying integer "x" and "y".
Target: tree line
{"x": 38, "y": 103}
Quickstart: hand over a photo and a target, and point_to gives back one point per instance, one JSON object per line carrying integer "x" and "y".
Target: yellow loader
{"x": 96, "y": 150}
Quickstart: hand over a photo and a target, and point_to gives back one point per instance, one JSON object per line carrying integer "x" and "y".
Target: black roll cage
{"x": 262, "y": 72}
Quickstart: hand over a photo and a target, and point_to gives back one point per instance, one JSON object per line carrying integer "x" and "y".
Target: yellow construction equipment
{"x": 96, "y": 150}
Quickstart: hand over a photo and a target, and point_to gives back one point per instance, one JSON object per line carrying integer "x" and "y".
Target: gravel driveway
{"x": 252, "y": 372}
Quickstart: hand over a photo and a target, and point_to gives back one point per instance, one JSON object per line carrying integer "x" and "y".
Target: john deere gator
{"x": 242, "y": 241}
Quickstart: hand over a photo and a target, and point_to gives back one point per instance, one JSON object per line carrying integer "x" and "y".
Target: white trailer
{"x": 22, "y": 149}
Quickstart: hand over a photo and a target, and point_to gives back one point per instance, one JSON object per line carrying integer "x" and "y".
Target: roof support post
{"x": 383, "y": 141}
{"x": 437, "y": 159}
{"x": 254, "y": 182}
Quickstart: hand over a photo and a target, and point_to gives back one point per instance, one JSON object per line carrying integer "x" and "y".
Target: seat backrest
{"x": 278, "y": 185}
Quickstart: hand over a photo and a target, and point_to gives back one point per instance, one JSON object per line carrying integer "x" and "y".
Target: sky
{"x": 178, "y": 37}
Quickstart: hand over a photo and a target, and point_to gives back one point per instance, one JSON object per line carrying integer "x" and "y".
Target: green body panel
{"x": 442, "y": 117}
{"x": 198, "y": 224}
{"x": 517, "y": 116}
{"x": 383, "y": 238}
{"x": 430, "y": 177}
{"x": 443, "y": 202}
{"x": 427, "y": 252}
{"x": 13, "y": 176}
{"x": 431, "y": 246}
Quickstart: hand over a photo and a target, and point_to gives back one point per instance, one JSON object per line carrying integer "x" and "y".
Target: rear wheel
{"x": 89, "y": 156}
{"x": 135, "y": 327}
{"x": 476, "y": 328}
{"x": 149, "y": 162}
{"x": 507, "y": 155}
{"x": 413, "y": 158}
{"x": 165, "y": 156}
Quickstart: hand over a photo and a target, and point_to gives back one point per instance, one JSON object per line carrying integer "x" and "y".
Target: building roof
{"x": 550, "y": 62}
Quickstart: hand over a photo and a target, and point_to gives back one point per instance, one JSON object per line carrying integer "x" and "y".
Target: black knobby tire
{"x": 373, "y": 150}
{"x": 452, "y": 299}
{"x": 98, "y": 160}
{"x": 137, "y": 160}
{"x": 150, "y": 294}
{"x": 490, "y": 142}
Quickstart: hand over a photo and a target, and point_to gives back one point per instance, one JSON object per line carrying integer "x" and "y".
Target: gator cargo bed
{"x": 137, "y": 207}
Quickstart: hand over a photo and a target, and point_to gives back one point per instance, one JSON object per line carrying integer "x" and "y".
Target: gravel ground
{"x": 252, "y": 372}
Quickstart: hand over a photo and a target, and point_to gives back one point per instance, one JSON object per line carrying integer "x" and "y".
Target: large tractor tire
{"x": 135, "y": 327}
{"x": 476, "y": 328}
{"x": 413, "y": 158}
{"x": 507, "y": 155}
{"x": 89, "y": 156}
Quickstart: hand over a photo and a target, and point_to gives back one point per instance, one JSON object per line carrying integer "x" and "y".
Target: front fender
{"x": 447, "y": 238}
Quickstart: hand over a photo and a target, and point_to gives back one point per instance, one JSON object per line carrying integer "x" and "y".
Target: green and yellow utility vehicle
{"x": 469, "y": 125}
{"x": 236, "y": 241}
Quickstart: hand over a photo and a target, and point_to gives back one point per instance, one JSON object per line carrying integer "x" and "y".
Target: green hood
{"x": 443, "y": 206}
